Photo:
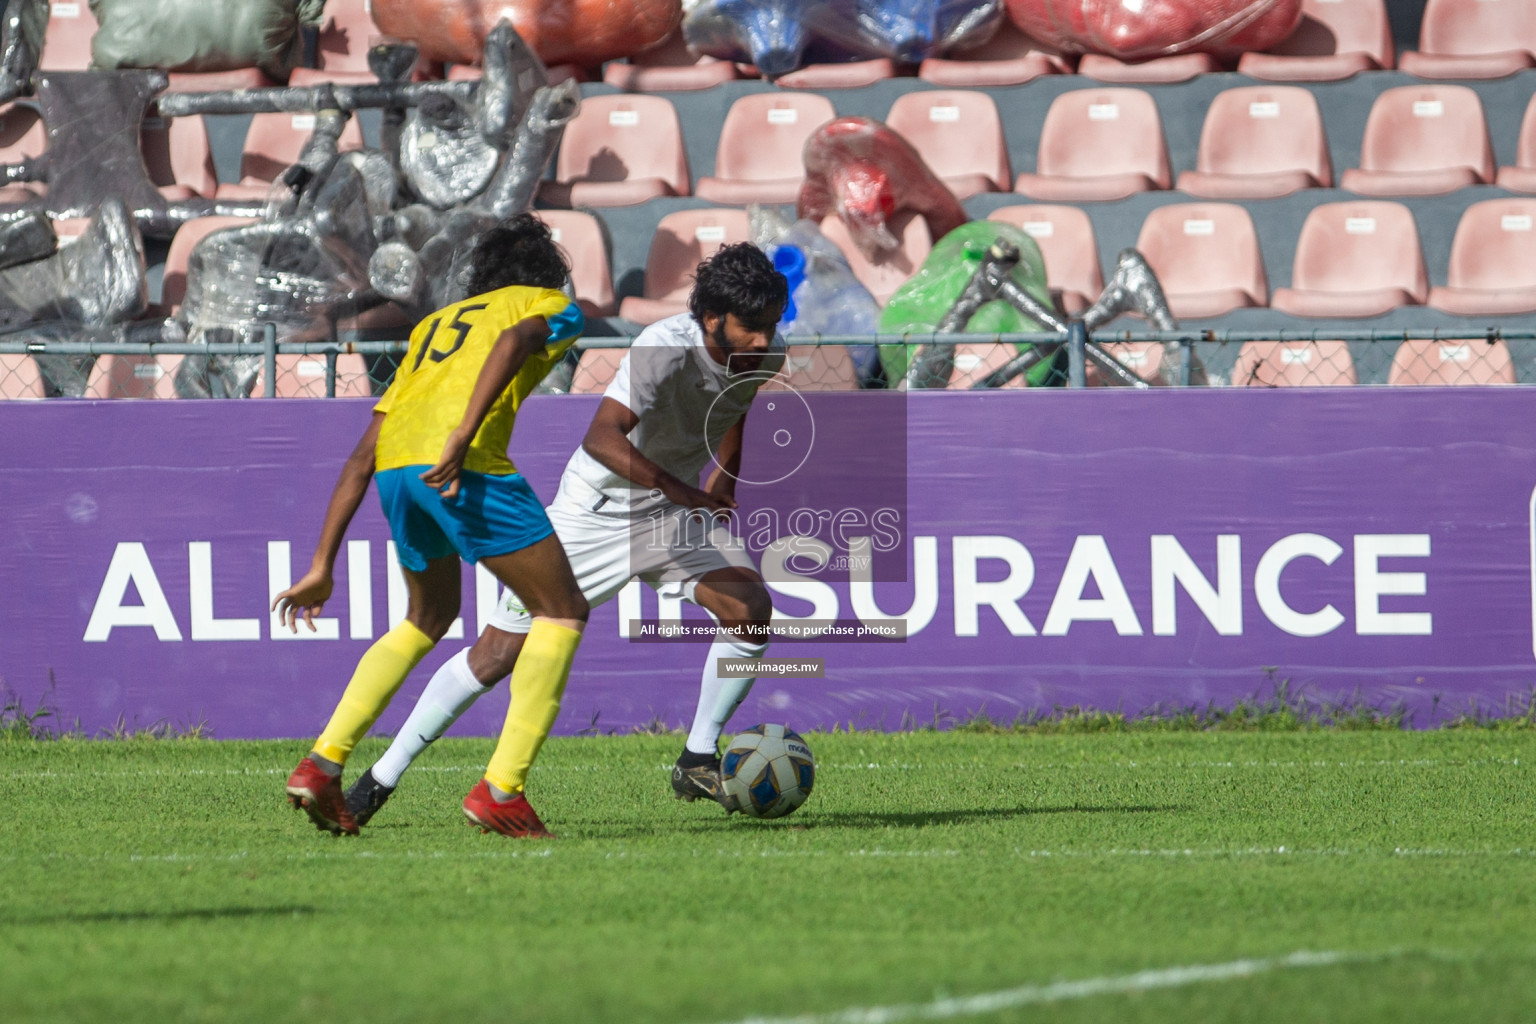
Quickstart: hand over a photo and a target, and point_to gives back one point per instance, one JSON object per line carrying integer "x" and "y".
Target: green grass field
{"x": 932, "y": 875}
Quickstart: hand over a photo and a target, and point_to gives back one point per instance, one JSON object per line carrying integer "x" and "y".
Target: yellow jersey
{"x": 431, "y": 389}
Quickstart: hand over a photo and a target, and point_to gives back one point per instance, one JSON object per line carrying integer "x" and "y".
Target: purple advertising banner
{"x": 1111, "y": 549}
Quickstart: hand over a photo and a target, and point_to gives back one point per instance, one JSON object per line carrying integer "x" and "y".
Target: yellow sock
{"x": 538, "y": 681}
{"x": 379, "y": 674}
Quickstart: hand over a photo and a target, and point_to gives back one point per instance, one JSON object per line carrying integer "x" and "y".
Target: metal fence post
{"x": 269, "y": 342}
{"x": 1187, "y": 351}
{"x": 330, "y": 373}
{"x": 1077, "y": 339}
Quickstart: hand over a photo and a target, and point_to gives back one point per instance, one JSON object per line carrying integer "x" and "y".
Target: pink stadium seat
{"x": 884, "y": 275}
{"x": 557, "y": 74}
{"x": 959, "y": 135}
{"x": 682, "y": 239}
{"x": 1260, "y": 142}
{"x": 816, "y": 368}
{"x": 345, "y": 36}
{"x": 851, "y": 75}
{"x": 975, "y": 360}
{"x": 173, "y": 282}
{"x": 67, "y": 42}
{"x": 212, "y": 81}
{"x": 1522, "y": 176}
{"x": 1284, "y": 364}
{"x": 303, "y": 376}
{"x": 595, "y": 370}
{"x": 1008, "y": 58}
{"x": 760, "y": 157}
{"x": 1493, "y": 261}
{"x": 1355, "y": 259}
{"x": 1423, "y": 140}
{"x": 20, "y": 377}
{"x": 69, "y": 229}
{"x": 22, "y": 135}
{"x": 1207, "y": 257}
{"x": 1098, "y": 144}
{"x": 1473, "y": 39}
{"x": 1143, "y": 358}
{"x": 1452, "y": 362}
{"x": 273, "y": 143}
{"x": 178, "y": 156}
{"x": 581, "y": 236}
{"x": 1159, "y": 70}
{"x": 1336, "y": 39}
{"x": 133, "y": 377}
{"x": 1065, "y": 237}
{"x": 670, "y": 67}
{"x": 619, "y": 150}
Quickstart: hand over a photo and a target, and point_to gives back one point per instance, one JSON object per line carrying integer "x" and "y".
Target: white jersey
{"x": 685, "y": 401}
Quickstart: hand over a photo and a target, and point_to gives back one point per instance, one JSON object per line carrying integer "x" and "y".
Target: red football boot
{"x": 514, "y": 818}
{"x": 320, "y": 795}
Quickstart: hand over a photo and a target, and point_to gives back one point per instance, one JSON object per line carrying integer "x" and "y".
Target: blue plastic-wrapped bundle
{"x": 781, "y": 35}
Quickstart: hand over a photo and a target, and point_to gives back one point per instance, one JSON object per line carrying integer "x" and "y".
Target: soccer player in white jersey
{"x": 628, "y": 507}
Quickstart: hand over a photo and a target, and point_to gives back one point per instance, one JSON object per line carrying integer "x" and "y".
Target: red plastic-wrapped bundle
{"x": 584, "y": 32}
{"x": 865, "y": 173}
{"x": 1140, "y": 29}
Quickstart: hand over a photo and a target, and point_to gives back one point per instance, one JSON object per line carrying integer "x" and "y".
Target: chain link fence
{"x": 264, "y": 368}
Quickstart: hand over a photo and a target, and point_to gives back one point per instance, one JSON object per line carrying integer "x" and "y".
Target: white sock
{"x": 719, "y": 698}
{"x": 450, "y": 693}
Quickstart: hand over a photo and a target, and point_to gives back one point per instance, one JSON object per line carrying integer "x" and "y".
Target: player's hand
{"x": 444, "y": 477}
{"x": 680, "y": 493}
{"x": 303, "y": 600}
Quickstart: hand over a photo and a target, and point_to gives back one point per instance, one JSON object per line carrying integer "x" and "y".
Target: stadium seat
{"x": 173, "y": 281}
{"x": 1009, "y": 58}
{"x": 273, "y": 143}
{"x": 1098, "y": 144}
{"x": 135, "y": 376}
{"x": 1452, "y": 362}
{"x": 22, "y": 136}
{"x": 1284, "y": 364}
{"x": 760, "y": 156}
{"x": 595, "y": 370}
{"x": 974, "y": 360}
{"x": 884, "y": 275}
{"x": 582, "y": 238}
{"x": 1522, "y": 176}
{"x": 816, "y": 368}
{"x": 345, "y": 37}
{"x": 1423, "y": 140}
{"x": 303, "y": 376}
{"x": 1336, "y": 39}
{"x": 178, "y": 156}
{"x": 682, "y": 239}
{"x": 67, "y": 41}
{"x": 20, "y": 377}
{"x": 1259, "y": 142}
{"x": 959, "y": 136}
{"x": 212, "y": 81}
{"x": 1143, "y": 358}
{"x": 1206, "y": 255}
{"x": 557, "y": 74}
{"x": 1473, "y": 39}
{"x": 670, "y": 67}
{"x": 619, "y": 150}
{"x": 1159, "y": 70}
{"x": 1066, "y": 240}
{"x": 850, "y": 75}
{"x": 1355, "y": 259}
{"x": 1493, "y": 261}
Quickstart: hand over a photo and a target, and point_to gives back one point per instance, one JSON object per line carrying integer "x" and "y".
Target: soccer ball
{"x": 769, "y": 770}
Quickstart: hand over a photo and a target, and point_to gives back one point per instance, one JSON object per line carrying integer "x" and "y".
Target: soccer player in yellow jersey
{"x": 437, "y": 446}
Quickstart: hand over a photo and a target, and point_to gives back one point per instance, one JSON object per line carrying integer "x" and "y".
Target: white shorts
{"x": 669, "y": 549}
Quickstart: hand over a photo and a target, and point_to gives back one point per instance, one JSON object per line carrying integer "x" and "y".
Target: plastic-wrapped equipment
{"x": 863, "y": 172}
{"x": 922, "y": 304}
{"x": 585, "y": 32}
{"x": 781, "y": 35}
{"x": 1143, "y": 29}
{"x": 196, "y": 35}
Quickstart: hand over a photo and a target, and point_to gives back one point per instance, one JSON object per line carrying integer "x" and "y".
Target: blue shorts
{"x": 492, "y": 515}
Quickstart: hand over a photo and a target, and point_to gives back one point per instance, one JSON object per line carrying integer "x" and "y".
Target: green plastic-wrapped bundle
{"x": 920, "y": 304}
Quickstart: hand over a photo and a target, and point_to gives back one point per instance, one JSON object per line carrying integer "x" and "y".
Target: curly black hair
{"x": 517, "y": 251}
{"x": 739, "y": 279}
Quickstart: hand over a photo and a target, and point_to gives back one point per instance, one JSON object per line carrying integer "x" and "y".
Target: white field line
{"x": 1062, "y": 991}
{"x": 825, "y": 766}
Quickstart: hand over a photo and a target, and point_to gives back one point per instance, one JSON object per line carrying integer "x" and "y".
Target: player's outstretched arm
{"x": 306, "y": 597}
{"x": 608, "y": 442}
{"x": 722, "y": 480}
{"x": 511, "y": 350}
